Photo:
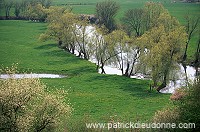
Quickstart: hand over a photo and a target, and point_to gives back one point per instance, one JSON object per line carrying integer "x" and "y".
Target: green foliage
{"x": 185, "y": 108}
{"x": 164, "y": 44}
{"x": 189, "y": 104}
{"x": 17, "y": 6}
{"x": 69, "y": 30}
{"x": 27, "y": 105}
{"x": 7, "y": 4}
{"x": 117, "y": 41}
{"x": 60, "y": 21}
{"x": 106, "y": 11}
{"x": 36, "y": 12}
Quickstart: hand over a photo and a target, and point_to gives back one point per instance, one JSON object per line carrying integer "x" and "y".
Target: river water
{"x": 33, "y": 75}
{"x": 180, "y": 81}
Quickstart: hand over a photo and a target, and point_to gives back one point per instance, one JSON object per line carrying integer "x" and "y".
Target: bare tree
{"x": 133, "y": 19}
{"x": 106, "y": 11}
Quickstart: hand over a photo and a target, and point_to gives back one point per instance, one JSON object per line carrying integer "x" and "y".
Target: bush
{"x": 166, "y": 115}
{"x": 27, "y": 105}
{"x": 185, "y": 108}
{"x": 178, "y": 94}
{"x": 189, "y": 105}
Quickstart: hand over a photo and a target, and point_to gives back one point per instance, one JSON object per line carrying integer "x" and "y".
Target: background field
{"x": 178, "y": 10}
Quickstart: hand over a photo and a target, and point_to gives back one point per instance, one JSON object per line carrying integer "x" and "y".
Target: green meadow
{"x": 91, "y": 94}
{"x": 94, "y": 97}
{"x": 178, "y": 10}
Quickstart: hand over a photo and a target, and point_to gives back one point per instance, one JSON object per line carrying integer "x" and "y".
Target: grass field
{"x": 91, "y": 94}
{"x": 178, "y": 9}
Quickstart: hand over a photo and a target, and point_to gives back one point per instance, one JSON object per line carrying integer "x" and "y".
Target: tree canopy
{"x": 105, "y": 12}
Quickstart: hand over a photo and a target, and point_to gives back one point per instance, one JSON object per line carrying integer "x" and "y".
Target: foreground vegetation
{"x": 185, "y": 107}
{"x": 27, "y": 105}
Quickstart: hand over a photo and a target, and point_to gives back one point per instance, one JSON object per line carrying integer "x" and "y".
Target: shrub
{"x": 189, "y": 105}
{"x": 185, "y": 108}
{"x": 28, "y": 105}
{"x": 178, "y": 94}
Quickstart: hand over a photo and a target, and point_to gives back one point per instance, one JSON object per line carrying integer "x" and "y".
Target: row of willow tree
{"x": 149, "y": 40}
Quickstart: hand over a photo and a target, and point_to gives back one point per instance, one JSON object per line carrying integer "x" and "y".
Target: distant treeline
{"x": 79, "y": 4}
{"x": 190, "y": 1}
{"x": 13, "y": 18}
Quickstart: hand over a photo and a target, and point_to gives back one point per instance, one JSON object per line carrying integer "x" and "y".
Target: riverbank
{"x": 96, "y": 96}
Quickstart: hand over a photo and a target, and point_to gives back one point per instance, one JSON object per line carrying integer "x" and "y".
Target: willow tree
{"x": 83, "y": 38}
{"x": 56, "y": 26}
{"x": 164, "y": 45}
{"x": 1, "y": 5}
{"x": 68, "y": 21}
{"x": 17, "y": 7}
{"x": 101, "y": 48}
{"x": 118, "y": 40}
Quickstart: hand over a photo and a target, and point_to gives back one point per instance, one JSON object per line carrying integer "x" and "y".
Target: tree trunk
{"x": 185, "y": 70}
{"x": 7, "y": 14}
{"x": 164, "y": 83}
{"x": 102, "y": 68}
{"x": 59, "y": 43}
{"x": 85, "y": 56}
{"x": 98, "y": 65}
{"x": 197, "y": 55}
{"x": 126, "y": 72}
{"x": 132, "y": 67}
{"x": 185, "y": 53}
